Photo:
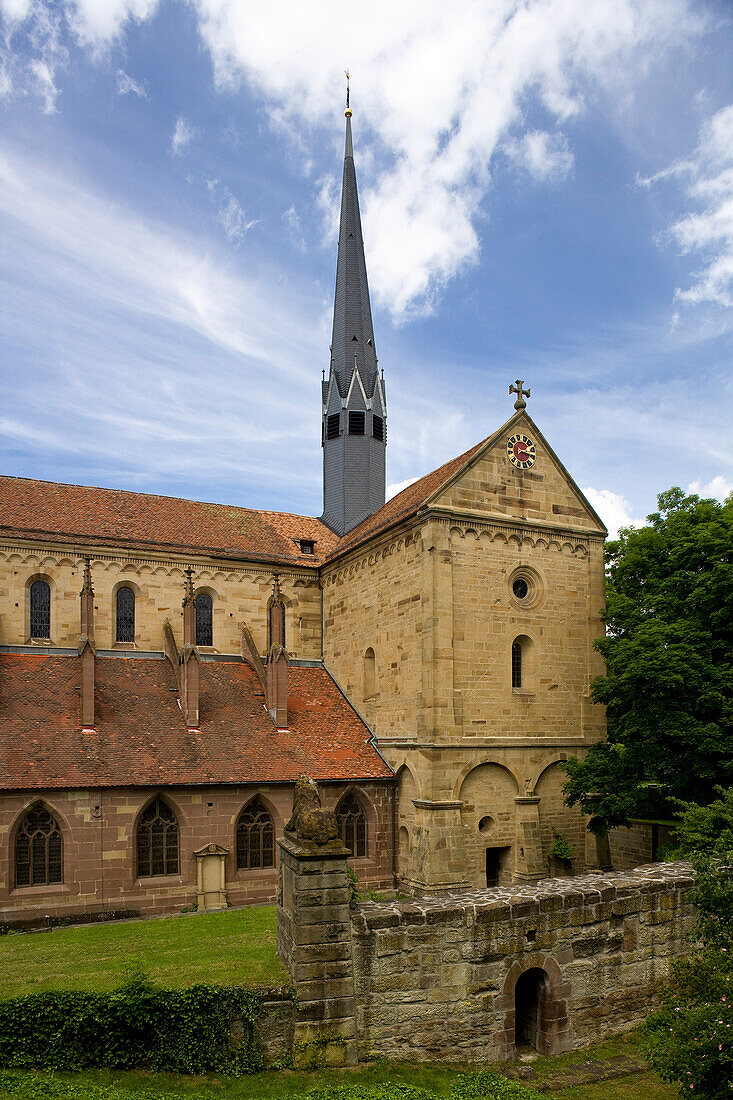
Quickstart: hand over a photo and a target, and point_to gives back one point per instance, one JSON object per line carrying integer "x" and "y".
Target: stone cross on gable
{"x": 521, "y": 393}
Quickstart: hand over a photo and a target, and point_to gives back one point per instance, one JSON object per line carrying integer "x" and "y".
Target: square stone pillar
{"x": 528, "y": 863}
{"x": 314, "y": 942}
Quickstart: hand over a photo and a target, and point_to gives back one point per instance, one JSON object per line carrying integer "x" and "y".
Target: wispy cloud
{"x": 432, "y": 175}
{"x": 234, "y": 220}
{"x": 149, "y": 306}
{"x": 182, "y": 135}
{"x": 708, "y": 173}
{"x": 718, "y": 487}
{"x": 614, "y": 509}
{"x": 127, "y": 86}
{"x": 546, "y": 157}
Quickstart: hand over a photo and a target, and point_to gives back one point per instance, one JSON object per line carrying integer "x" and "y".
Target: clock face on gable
{"x": 520, "y": 452}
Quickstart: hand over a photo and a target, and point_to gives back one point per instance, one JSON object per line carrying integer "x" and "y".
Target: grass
{"x": 236, "y": 947}
{"x": 288, "y": 1084}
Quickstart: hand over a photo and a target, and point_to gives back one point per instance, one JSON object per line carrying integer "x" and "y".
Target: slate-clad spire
{"x": 354, "y": 408}
{"x": 353, "y": 335}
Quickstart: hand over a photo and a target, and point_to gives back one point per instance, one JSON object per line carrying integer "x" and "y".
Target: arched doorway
{"x": 531, "y": 996}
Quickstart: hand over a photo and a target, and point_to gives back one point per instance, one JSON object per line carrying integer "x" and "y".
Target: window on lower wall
{"x": 516, "y": 664}
{"x": 157, "y": 841}
{"x": 125, "y": 615}
{"x": 204, "y": 619}
{"x": 352, "y": 824}
{"x": 255, "y": 837}
{"x": 40, "y": 597}
{"x": 38, "y": 850}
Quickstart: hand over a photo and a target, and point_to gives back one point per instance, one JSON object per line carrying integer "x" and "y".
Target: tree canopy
{"x": 667, "y": 689}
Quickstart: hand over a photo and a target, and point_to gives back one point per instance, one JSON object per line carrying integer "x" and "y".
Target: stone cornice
{"x": 200, "y": 562}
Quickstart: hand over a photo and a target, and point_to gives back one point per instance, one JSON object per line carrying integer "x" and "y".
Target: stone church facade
{"x": 168, "y": 668}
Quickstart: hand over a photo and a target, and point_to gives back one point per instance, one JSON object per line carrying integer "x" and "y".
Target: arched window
{"x": 40, "y": 596}
{"x": 517, "y": 665}
{"x": 157, "y": 841}
{"x": 38, "y": 850}
{"x": 370, "y": 673}
{"x": 125, "y": 615}
{"x": 204, "y": 619}
{"x": 255, "y": 837}
{"x": 352, "y": 824}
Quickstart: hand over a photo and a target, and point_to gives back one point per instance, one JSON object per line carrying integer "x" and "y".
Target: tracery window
{"x": 204, "y": 619}
{"x": 40, "y": 597}
{"x": 38, "y": 850}
{"x": 516, "y": 664}
{"x": 125, "y": 615}
{"x": 157, "y": 841}
{"x": 255, "y": 837}
{"x": 352, "y": 824}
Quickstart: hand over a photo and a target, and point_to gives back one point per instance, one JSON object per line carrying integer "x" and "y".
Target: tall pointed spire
{"x": 353, "y": 335}
{"x": 354, "y": 406}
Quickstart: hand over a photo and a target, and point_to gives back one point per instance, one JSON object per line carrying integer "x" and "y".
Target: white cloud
{"x": 398, "y": 486}
{"x": 148, "y": 306}
{"x": 545, "y": 156}
{"x": 718, "y": 487}
{"x": 709, "y": 231}
{"x": 614, "y": 510}
{"x": 295, "y": 227}
{"x": 438, "y": 88}
{"x": 127, "y": 86}
{"x": 233, "y": 219}
{"x": 98, "y": 22}
{"x": 15, "y": 11}
{"x": 182, "y": 135}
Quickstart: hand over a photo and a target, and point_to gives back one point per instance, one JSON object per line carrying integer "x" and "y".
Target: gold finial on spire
{"x": 348, "y": 112}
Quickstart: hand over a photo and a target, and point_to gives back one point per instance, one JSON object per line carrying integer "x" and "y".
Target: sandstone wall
{"x": 99, "y": 855}
{"x": 436, "y": 979}
{"x": 239, "y": 591}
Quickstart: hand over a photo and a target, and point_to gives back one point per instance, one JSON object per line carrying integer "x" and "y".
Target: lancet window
{"x": 157, "y": 841}
{"x": 352, "y": 824}
{"x": 204, "y": 619}
{"x": 125, "y": 615}
{"x": 38, "y": 850}
{"x": 40, "y": 597}
{"x": 255, "y": 837}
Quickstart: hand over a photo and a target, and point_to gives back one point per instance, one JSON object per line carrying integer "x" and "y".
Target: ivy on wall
{"x": 196, "y": 1030}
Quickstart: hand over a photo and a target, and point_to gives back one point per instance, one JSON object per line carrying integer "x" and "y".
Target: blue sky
{"x": 546, "y": 190}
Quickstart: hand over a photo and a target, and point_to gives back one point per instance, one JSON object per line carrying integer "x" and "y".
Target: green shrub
{"x": 485, "y": 1085}
{"x": 192, "y": 1030}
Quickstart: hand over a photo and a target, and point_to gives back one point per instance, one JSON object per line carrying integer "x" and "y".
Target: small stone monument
{"x": 314, "y": 932}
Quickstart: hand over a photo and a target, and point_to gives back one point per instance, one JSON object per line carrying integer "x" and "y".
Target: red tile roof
{"x": 141, "y": 738}
{"x": 114, "y": 517}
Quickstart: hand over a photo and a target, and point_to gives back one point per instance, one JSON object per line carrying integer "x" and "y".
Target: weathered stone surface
{"x": 436, "y": 978}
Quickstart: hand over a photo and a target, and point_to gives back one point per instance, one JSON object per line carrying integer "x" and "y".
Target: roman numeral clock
{"x": 520, "y": 448}
{"x": 520, "y": 452}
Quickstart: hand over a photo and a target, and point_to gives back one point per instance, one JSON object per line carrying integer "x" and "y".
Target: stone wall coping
{"x": 309, "y": 850}
{"x": 501, "y": 903}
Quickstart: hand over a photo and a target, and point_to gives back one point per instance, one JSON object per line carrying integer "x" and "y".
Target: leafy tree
{"x": 667, "y": 689}
{"x": 691, "y": 1037}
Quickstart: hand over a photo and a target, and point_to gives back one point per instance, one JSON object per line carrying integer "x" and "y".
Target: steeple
{"x": 354, "y": 406}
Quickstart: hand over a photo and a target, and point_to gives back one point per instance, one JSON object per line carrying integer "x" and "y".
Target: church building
{"x": 168, "y": 668}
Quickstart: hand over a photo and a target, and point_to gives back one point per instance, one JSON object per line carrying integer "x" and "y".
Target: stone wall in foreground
{"x": 438, "y": 978}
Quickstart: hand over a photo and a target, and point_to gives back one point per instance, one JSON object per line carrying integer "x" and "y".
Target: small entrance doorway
{"x": 530, "y": 999}
{"x": 495, "y": 863}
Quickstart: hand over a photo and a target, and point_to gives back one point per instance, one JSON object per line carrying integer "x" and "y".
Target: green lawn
{"x": 236, "y": 947}
{"x": 553, "y": 1076}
